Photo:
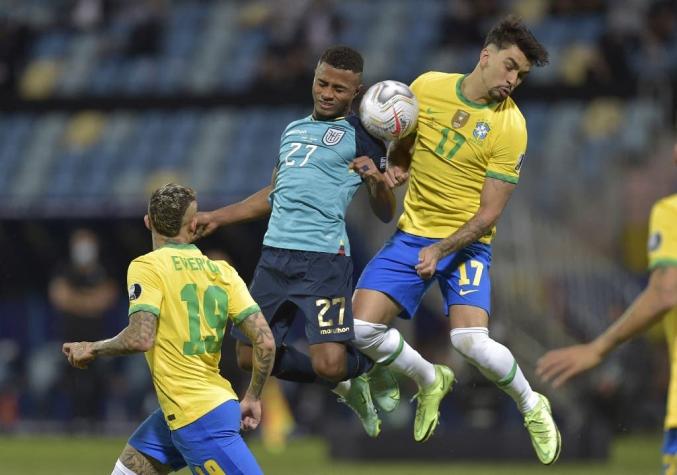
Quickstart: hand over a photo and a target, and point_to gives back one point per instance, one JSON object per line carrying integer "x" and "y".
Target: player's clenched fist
{"x": 428, "y": 258}
{"x": 250, "y": 410}
{"x": 205, "y": 224}
{"x": 395, "y": 176}
{"x": 366, "y": 168}
{"x": 79, "y": 354}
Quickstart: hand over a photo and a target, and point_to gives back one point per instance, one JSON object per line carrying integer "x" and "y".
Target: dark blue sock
{"x": 293, "y": 365}
{"x": 356, "y": 363}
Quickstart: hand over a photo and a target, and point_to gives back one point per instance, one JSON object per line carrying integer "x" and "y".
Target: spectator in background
{"x": 83, "y": 292}
{"x": 298, "y": 32}
{"x": 15, "y": 42}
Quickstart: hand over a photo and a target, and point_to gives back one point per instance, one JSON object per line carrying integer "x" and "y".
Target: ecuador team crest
{"x": 333, "y": 136}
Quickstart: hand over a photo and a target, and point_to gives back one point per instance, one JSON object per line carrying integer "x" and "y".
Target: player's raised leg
{"x": 470, "y": 338}
{"x": 374, "y": 311}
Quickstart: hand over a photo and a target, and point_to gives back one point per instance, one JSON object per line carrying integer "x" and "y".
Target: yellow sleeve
{"x": 145, "y": 287}
{"x": 662, "y": 244}
{"x": 509, "y": 151}
{"x": 240, "y": 302}
{"x": 420, "y": 81}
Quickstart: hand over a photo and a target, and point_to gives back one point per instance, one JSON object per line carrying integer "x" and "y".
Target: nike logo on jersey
{"x": 466, "y": 292}
{"x": 430, "y": 111}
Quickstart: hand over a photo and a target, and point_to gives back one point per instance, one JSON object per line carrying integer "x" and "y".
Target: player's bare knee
{"x": 243, "y": 354}
{"x": 330, "y": 367}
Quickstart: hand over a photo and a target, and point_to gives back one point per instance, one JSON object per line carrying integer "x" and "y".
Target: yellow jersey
{"x": 458, "y": 144}
{"x": 663, "y": 252}
{"x": 193, "y": 298}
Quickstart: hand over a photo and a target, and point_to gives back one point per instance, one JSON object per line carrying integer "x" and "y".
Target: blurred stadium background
{"x": 103, "y": 100}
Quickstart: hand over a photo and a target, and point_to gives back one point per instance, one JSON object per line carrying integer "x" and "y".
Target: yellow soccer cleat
{"x": 429, "y": 399}
{"x": 385, "y": 390}
{"x": 359, "y": 400}
{"x": 545, "y": 436}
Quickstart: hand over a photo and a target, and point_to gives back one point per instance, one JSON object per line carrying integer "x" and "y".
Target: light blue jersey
{"x": 314, "y": 184}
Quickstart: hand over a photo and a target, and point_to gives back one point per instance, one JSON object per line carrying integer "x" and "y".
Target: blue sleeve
{"x": 368, "y": 145}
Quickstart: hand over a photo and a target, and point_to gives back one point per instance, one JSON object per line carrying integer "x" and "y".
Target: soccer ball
{"x": 389, "y": 110}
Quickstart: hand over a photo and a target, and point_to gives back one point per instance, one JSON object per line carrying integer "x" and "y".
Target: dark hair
{"x": 343, "y": 57}
{"x": 511, "y": 31}
{"x": 168, "y": 205}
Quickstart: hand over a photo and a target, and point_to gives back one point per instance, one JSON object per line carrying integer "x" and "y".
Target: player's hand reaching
{"x": 250, "y": 409}
{"x": 205, "y": 225}
{"x": 559, "y": 366}
{"x": 428, "y": 258}
{"x": 79, "y": 354}
{"x": 366, "y": 168}
{"x": 395, "y": 176}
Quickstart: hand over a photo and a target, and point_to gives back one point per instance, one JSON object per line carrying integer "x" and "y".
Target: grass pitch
{"x": 634, "y": 455}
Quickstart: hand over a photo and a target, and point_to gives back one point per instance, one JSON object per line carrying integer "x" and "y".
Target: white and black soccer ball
{"x": 389, "y": 110}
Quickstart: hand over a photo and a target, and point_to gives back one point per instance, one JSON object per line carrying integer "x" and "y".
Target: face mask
{"x": 84, "y": 253}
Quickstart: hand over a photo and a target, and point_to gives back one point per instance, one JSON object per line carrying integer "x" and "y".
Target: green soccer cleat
{"x": 427, "y": 408}
{"x": 385, "y": 390}
{"x": 545, "y": 436}
{"x": 359, "y": 400}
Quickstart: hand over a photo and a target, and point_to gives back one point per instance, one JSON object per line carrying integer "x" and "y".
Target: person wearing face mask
{"x": 82, "y": 292}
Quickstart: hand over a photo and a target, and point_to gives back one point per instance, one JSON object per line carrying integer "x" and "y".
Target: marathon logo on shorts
{"x": 334, "y": 331}
{"x": 134, "y": 291}
{"x": 333, "y": 136}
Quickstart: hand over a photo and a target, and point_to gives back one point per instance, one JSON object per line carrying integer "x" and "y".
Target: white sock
{"x": 120, "y": 469}
{"x": 342, "y": 388}
{"x": 496, "y": 362}
{"x": 387, "y": 347}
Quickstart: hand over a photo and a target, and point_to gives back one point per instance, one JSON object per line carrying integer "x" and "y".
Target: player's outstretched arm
{"x": 138, "y": 336}
{"x": 493, "y": 199}
{"x": 256, "y": 329}
{"x": 255, "y": 206}
{"x": 660, "y": 295}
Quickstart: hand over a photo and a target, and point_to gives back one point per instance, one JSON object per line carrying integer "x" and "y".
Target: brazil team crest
{"x": 333, "y": 136}
{"x": 481, "y": 131}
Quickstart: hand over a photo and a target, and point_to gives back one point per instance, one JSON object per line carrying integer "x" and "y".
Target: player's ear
{"x": 484, "y": 56}
{"x": 192, "y": 226}
{"x": 146, "y": 221}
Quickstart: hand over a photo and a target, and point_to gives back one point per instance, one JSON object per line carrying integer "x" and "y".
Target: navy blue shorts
{"x": 210, "y": 444}
{"x": 463, "y": 276}
{"x": 319, "y": 284}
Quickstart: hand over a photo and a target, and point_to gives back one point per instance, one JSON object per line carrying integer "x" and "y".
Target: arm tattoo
{"x": 137, "y": 337}
{"x": 470, "y": 232}
{"x": 257, "y": 330}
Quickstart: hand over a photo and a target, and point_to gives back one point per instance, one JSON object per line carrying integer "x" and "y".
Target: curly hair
{"x": 167, "y": 207}
{"x": 512, "y": 31}
{"x": 343, "y": 57}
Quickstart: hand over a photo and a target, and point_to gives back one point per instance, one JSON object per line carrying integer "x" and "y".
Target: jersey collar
{"x": 465, "y": 100}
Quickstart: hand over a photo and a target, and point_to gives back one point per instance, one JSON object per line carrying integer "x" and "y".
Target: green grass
{"x": 636, "y": 455}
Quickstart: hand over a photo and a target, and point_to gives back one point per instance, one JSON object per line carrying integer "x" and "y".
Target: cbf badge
{"x": 134, "y": 291}
{"x": 481, "y": 130}
{"x": 460, "y": 119}
{"x": 333, "y": 136}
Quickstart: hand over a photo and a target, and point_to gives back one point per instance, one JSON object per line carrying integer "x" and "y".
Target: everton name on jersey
{"x": 314, "y": 184}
